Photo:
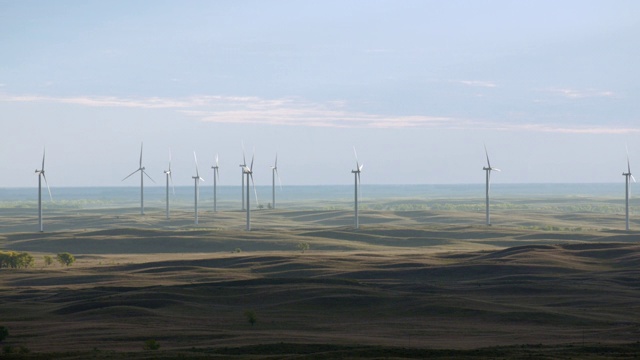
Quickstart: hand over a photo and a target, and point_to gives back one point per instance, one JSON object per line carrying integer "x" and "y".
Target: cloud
{"x": 298, "y": 112}
{"x": 294, "y": 111}
{"x": 580, "y": 94}
{"x": 478, "y": 83}
{"x": 289, "y": 111}
{"x": 595, "y": 130}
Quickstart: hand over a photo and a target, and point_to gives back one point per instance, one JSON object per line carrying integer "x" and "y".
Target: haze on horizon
{"x": 418, "y": 87}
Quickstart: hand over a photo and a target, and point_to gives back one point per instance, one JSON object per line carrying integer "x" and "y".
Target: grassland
{"x": 417, "y": 280}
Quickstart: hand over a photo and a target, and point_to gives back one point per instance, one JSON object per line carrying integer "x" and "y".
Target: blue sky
{"x": 551, "y": 87}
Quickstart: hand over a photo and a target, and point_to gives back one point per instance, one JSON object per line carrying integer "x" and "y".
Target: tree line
{"x": 23, "y": 260}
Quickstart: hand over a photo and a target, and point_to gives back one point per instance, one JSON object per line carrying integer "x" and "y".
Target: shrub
{"x": 303, "y": 246}
{"x": 4, "y": 333}
{"x": 15, "y": 260}
{"x": 48, "y": 260}
{"x": 65, "y": 259}
{"x": 151, "y": 345}
{"x": 251, "y": 316}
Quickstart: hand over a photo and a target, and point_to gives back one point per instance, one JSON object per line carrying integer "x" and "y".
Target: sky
{"x": 417, "y": 87}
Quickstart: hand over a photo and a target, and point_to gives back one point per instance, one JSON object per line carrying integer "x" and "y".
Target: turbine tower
{"x": 488, "y": 169}
{"x": 356, "y": 173}
{"x": 216, "y": 177}
{"x": 169, "y": 177}
{"x": 197, "y": 180}
{"x": 248, "y": 171}
{"x": 274, "y": 174}
{"x": 40, "y": 177}
{"x": 627, "y": 175}
{"x": 142, "y": 174}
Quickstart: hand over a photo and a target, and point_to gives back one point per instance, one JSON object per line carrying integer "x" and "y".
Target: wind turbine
{"x": 197, "y": 180}
{"x": 248, "y": 171}
{"x": 274, "y": 173}
{"x": 488, "y": 169}
{"x": 242, "y": 167}
{"x": 627, "y": 175}
{"x": 216, "y": 176}
{"x": 167, "y": 174}
{"x": 356, "y": 173}
{"x": 142, "y": 174}
{"x": 40, "y": 177}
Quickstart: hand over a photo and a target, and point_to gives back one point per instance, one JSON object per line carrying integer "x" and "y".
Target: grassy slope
{"x": 404, "y": 280}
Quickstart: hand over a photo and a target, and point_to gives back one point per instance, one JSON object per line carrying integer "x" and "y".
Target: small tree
{"x": 303, "y": 246}
{"x": 151, "y": 345}
{"x": 15, "y": 260}
{"x": 251, "y": 316}
{"x": 23, "y": 260}
{"x": 48, "y": 260}
{"x": 4, "y": 333}
{"x": 65, "y": 259}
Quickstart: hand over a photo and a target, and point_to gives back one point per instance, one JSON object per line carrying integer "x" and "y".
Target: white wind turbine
{"x": 242, "y": 167}
{"x": 41, "y": 176}
{"x": 274, "y": 174}
{"x": 356, "y": 173}
{"x": 627, "y": 175}
{"x": 169, "y": 177}
{"x": 197, "y": 180}
{"x": 488, "y": 169}
{"x": 216, "y": 176}
{"x": 142, "y": 174}
{"x": 248, "y": 171}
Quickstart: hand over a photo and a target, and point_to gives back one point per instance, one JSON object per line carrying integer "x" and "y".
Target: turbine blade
{"x": 278, "y": 176}
{"x": 254, "y": 188}
{"x": 632, "y": 178}
{"x": 360, "y": 168}
{"x": 276, "y": 163}
{"x": 496, "y": 169}
{"x": 46, "y": 183}
{"x": 196, "y": 159}
{"x": 173, "y": 188}
{"x": 252, "y": 158}
{"x": 356, "y": 154}
{"x": 169, "y": 160}
{"x": 128, "y": 176}
{"x": 141, "y": 145}
{"x": 144, "y": 172}
{"x": 217, "y": 164}
{"x": 244, "y": 160}
{"x": 487, "y": 154}
{"x": 43, "y": 153}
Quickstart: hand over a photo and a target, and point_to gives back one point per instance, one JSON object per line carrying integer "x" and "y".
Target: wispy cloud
{"x": 580, "y": 93}
{"x": 293, "y": 111}
{"x": 477, "y": 83}
{"x": 254, "y": 110}
{"x": 298, "y": 112}
{"x": 595, "y": 130}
